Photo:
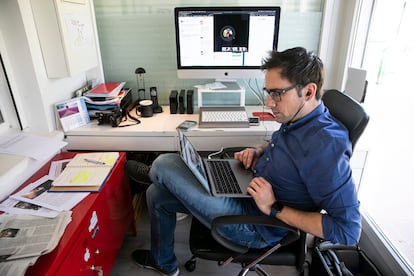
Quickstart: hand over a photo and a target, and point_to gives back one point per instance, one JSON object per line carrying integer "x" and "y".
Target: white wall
{"x": 337, "y": 32}
{"x": 33, "y": 92}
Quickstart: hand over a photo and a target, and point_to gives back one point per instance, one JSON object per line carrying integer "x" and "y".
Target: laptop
{"x": 220, "y": 177}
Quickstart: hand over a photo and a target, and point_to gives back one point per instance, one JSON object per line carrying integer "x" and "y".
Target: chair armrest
{"x": 328, "y": 245}
{"x": 293, "y": 233}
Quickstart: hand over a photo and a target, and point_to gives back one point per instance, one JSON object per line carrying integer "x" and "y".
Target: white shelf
{"x": 231, "y": 87}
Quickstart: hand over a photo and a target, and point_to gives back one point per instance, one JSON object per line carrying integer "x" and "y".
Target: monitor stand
{"x": 230, "y": 87}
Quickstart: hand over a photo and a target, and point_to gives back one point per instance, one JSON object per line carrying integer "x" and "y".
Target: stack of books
{"x": 107, "y": 97}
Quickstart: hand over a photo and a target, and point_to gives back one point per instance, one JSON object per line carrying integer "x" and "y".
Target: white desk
{"x": 158, "y": 133}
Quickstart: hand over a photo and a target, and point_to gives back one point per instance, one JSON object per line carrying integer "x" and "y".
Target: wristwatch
{"x": 277, "y": 207}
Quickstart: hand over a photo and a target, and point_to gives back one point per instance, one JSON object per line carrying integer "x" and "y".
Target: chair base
{"x": 256, "y": 268}
{"x": 191, "y": 264}
{"x": 203, "y": 246}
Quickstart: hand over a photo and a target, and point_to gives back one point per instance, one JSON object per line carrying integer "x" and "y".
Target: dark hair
{"x": 298, "y": 66}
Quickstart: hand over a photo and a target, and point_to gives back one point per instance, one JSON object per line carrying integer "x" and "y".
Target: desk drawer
{"x": 96, "y": 232}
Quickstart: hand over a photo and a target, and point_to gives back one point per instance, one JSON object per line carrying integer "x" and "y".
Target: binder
{"x": 106, "y": 90}
{"x": 181, "y": 104}
{"x": 190, "y": 101}
{"x": 173, "y": 102}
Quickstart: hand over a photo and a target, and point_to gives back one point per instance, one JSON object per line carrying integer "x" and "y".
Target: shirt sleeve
{"x": 328, "y": 177}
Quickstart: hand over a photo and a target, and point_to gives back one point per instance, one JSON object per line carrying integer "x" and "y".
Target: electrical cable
{"x": 257, "y": 92}
{"x": 215, "y": 153}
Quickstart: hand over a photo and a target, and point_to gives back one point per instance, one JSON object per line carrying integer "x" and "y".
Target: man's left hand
{"x": 261, "y": 191}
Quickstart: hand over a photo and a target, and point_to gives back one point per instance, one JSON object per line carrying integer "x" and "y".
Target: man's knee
{"x": 162, "y": 164}
{"x": 153, "y": 195}
{"x": 166, "y": 159}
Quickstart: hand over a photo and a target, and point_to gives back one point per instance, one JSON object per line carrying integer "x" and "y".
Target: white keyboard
{"x": 224, "y": 116}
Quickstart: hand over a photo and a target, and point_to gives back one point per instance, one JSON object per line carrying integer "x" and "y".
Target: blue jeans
{"x": 175, "y": 189}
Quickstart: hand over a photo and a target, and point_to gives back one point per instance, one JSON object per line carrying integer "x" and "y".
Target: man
{"x": 303, "y": 169}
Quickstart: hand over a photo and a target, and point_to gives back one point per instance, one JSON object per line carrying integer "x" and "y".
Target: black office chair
{"x": 348, "y": 111}
{"x": 291, "y": 251}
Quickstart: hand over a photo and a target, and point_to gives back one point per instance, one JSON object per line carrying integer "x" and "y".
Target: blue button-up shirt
{"x": 307, "y": 163}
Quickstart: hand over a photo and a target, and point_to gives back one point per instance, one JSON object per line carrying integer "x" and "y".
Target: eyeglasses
{"x": 276, "y": 94}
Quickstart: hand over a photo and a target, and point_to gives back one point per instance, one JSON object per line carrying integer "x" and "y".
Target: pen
{"x": 94, "y": 161}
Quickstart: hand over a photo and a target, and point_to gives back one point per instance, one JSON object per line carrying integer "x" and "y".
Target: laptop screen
{"x": 191, "y": 157}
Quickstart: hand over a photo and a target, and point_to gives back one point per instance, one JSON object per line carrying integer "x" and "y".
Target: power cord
{"x": 215, "y": 153}
{"x": 257, "y": 91}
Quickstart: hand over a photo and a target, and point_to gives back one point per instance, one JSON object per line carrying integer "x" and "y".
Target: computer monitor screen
{"x": 224, "y": 42}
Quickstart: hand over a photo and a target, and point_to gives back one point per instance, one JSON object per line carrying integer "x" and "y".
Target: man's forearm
{"x": 260, "y": 149}
{"x": 309, "y": 222}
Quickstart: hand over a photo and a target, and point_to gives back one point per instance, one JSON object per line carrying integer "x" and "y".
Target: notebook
{"x": 216, "y": 174}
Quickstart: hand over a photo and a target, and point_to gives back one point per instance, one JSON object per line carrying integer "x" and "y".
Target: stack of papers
{"x": 212, "y": 85}
{"x": 25, "y": 238}
{"x": 106, "y": 97}
{"x": 21, "y": 155}
{"x": 105, "y": 90}
{"x": 35, "y": 199}
{"x": 30, "y": 145}
{"x": 95, "y": 105}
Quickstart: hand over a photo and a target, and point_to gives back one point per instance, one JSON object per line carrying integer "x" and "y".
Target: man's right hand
{"x": 248, "y": 157}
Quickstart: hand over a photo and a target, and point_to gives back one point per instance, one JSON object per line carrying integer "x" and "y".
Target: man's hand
{"x": 262, "y": 193}
{"x": 248, "y": 157}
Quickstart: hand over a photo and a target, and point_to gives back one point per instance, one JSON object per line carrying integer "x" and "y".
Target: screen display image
{"x": 224, "y": 42}
{"x": 231, "y": 33}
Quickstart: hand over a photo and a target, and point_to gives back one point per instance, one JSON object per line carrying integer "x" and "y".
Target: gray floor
{"x": 125, "y": 266}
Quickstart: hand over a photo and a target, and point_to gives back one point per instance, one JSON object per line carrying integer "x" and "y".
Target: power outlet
{"x": 79, "y": 92}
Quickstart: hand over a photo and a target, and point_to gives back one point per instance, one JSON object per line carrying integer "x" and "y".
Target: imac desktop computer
{"x": 224, "y": 42}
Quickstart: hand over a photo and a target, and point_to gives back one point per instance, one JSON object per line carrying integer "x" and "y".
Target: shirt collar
{"x": 320, "y": 109}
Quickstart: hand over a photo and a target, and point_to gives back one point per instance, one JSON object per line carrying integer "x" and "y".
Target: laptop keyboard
{"x": 225, "y": 181}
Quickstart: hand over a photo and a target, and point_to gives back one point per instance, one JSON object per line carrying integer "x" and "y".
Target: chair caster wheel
{"x": 190, "y": 265}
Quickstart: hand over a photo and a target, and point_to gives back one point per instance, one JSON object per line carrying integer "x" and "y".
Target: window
{"x": 8, "y": 116}
{"x": 386, "y": 190}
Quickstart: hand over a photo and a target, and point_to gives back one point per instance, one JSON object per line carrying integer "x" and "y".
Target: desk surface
{"x": 158, "y": 133}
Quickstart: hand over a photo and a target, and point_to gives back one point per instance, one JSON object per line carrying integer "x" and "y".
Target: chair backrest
{"x": 356, "y": 84}
{"x": 348, "y": 111}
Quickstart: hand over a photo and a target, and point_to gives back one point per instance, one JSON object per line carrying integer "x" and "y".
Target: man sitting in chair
{"x": 304, "y": 169}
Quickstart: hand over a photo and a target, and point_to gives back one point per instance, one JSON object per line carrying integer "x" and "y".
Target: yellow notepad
{"x": 85, "y": 172}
